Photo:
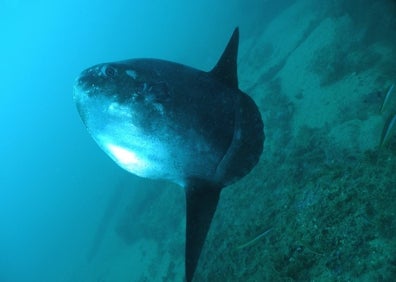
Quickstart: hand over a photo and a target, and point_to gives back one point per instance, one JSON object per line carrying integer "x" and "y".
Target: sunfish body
{"x": 163, "y": 120}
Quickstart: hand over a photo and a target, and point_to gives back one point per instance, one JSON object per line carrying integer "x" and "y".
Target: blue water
{"x": 319, "y": 72}
{"x": 54, "y": 181}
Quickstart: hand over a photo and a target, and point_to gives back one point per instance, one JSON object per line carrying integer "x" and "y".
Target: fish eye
{"x": 109, "y": 71}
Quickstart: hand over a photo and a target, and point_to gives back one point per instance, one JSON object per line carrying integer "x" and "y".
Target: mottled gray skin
{"x": 163, "y": 120}
{"x": 179, "y": 122}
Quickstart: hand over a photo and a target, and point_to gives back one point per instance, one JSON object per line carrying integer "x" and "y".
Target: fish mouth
{"x": 85, "y": 87}
{"x": 76, "y": 86}
{"x": 82, "y": 83}
{"x": 77, "y": 97}
{"x": 81, "y": 97}
{"x": 78, "y": 91}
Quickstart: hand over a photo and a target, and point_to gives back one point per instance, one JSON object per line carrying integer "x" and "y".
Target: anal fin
{"x": 201, "y": 202}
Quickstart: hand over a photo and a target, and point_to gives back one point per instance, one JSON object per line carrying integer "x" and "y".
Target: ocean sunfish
{"x": 163, "y": 120}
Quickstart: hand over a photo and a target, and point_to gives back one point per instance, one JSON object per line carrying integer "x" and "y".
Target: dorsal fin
{"x": 226, "y": 68}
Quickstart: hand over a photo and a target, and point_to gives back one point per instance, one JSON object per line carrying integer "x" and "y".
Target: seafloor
{"x": 324, "y": 191}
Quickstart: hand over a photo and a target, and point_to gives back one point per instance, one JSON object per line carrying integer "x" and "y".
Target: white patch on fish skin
{"x": 159, "y": 108}
{"x": 116, "y": 109}
{"x": 131, "y": 73}
{"x": 101, "y": 71}
{"x": 126, "y": 158}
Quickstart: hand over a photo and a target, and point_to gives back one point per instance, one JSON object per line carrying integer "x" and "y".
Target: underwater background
{"x": 319, "y": 206}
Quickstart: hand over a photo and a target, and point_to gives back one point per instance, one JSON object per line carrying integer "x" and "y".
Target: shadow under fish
{"x": 108, "y": 215}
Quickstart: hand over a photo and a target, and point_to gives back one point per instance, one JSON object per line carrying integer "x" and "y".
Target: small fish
{"x": 387, "y": 98}
{"x": 388, "y": 131}
{"x": 254, "y": 240}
